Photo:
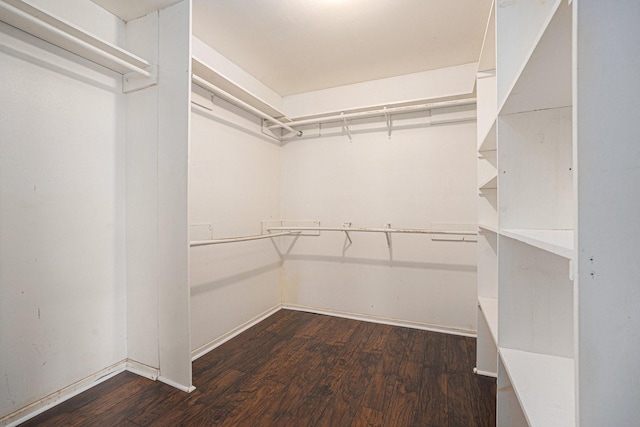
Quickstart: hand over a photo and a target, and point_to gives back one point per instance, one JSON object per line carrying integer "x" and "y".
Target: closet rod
{"x": 375, "y": 230}
{"x": 242, "y": 239}
{"x": 221, "y": 93}
{"x": 38, "y": 22}
{"x": 381, "y": 112}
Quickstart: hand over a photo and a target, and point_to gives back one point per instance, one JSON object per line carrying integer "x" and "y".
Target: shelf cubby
{"x": 488, "y": 141}
{"x": 543, "y": 385}
{"x": 544, "y": 81}
{"x": 535, "y": 310}
{"x": 508, "y": 411}
{"x": 535, "y": 177}
{"x": 487, "y": 108}
{"x": 486, "y": 348}
{"x": 519, "y": 28}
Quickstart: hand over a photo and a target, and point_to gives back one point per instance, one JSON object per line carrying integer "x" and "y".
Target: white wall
{"x": 441, "y": 83}
{"x": 234, "y": 184}
{"x": 420, "y": 177}
{"x": 62, "y": 266}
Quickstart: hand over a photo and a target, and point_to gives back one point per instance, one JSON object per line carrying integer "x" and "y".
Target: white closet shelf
{"x": 72, "y": 38}
{"x": 489, "y": 141}
{"x": 489, "y": 308}
{"x": 544, "y": 385}
{"x": 488, "y": 53}
{"x": 547, "y": 66}
{"x": 490, "y": 184}
{"x": 226, "y": 84}
{"x": 559, "y": 242}
{"x": 486, "y": 227}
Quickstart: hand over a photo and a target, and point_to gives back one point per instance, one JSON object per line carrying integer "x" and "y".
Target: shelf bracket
{"x": 387, "y": 119}
{"x": 134, "y": 81}
{"x": 388, "y": 234}
{"x": 345, "y": 125}
{"x": 347, "y": 225}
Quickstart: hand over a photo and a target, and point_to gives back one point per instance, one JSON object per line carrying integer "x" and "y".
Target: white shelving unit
{"x": 487, "y": 315}
{"x": 557, "y": 269}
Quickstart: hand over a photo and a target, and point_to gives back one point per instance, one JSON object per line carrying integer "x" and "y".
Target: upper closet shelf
{"x": 559, "y": 242}
{"x": 531, "y": 375}
{"x": 488, "y": 54}
{"x": 74, "y": 39}
{"x": 544, "y": 79}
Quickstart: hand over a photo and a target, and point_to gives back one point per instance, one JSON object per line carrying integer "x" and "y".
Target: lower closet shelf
{"x": 489, "y": 307}
{"x": 544, "y": 386}
{"x": 559, "y": 242}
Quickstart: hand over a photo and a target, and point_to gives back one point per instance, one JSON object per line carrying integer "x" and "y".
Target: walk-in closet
{"x": 269, "y": 213}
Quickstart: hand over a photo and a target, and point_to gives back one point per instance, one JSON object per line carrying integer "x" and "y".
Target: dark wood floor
{"x": 302, "y": 369}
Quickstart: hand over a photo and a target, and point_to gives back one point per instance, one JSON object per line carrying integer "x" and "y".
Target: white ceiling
{"x": 296, "y": 46}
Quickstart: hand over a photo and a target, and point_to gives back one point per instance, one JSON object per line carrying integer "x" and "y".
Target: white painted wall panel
{"x": 62, "y": 267}
{"x": 142, "y": 202}
{"x": 174, "y": 100}
{"x": 234, "y": 185}
{"x": 440, "y": 83}
{"x": 420, "y": 177}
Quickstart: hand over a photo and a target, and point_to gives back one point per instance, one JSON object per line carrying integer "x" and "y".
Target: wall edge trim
{"x": 41, "y": 405}
{"x": 142, "y": 369}
{"x": 383, "y": 320}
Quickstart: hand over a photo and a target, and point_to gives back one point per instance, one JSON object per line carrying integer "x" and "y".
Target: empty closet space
{"x": 242, "y": 182}
{"x": 297, "y": 368}
{"x": 329, "y": 213}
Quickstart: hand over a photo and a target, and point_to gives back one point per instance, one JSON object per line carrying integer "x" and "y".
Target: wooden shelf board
{"x": 544, "y": 386}
{"x": 489, "y": 308}
{"x": 559, "y": 242}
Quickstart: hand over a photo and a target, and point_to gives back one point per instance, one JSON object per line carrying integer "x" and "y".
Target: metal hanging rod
{"x": 242, "y": 239}
{"x": 61, "y": 33}
{"x": 379, "y": 112}
{"x": 221, "y": 93}
{"x": 375, "y": 230}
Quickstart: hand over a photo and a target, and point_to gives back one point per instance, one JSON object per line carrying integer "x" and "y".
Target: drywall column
{"x": 142, "y": 205}
{"x": 174, "y": 103}
{"x": 606, "y": 105}
{"x": 158, "y": 331}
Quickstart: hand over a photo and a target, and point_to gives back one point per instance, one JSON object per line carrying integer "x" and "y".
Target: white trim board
{"x": 384, "y": 320}
{"x": 41, "y": 405}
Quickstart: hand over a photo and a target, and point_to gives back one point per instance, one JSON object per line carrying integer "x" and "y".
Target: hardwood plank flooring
{"x": 303, "y": 369}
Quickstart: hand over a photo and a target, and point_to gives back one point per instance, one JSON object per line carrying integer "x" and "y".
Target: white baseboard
{"x": 201, "y": 351}
{"x": 48, "y": 402}
{"x": 485, "y": 373}
{"x": 174, "y": 384}
{"x": 383, "y": 320}
{"x": 142, "y": 369}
